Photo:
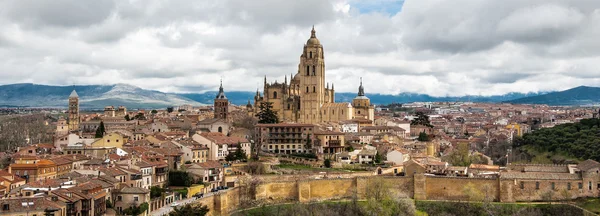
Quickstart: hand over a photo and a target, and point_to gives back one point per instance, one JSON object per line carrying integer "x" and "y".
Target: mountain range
{"x": 578, "y": 96}
{"x": 91, "y": 96}
{"x": 99, "y": 96}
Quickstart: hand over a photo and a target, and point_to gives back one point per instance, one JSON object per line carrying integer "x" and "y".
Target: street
{"x": 165, "y": 210}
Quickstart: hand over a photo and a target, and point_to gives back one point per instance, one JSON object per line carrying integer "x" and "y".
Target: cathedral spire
{"x": 361, "y": 89}
{"x": 313, "y": 32}
{"x": 221, "y": 94}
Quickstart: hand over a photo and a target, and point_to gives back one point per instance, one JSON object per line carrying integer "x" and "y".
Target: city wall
{"x": 420, "y": 187}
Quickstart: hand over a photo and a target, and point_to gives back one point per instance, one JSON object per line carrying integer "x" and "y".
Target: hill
{"x": 98, "y": 96}
{"x": 242, "y": 97}
{"x": 91, "y": 96}
{"x": 579, "y": 140}
{"x": 582, "y": 95}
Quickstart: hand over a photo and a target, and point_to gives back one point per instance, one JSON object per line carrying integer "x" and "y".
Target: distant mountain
{"x": 91, "y": 96}
{"x": 241, "y": 97}
{"x": 99, "y": 96}
{"x": 582, "y": 95}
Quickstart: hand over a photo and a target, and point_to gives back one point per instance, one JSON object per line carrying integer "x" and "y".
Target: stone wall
{"x": 420, "y": 187}
{"x": 453, "y": 188}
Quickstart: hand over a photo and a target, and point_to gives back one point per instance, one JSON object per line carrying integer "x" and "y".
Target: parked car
{"x": 199, "y": 195}
{"x": 225, "y": 187}
{"x": 213, "y": 190}
{"x": 174, "y": 204}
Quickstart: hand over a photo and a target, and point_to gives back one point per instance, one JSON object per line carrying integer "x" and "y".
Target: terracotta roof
{"x": 484, "y": 167}
{"x": 219, "y": 138}
{"x": 588, "y": 164}
{"x": 539, "y": 176}
{"x": 210, "y": 164}
{"x": 134, "y": 190}
{"x": 285, "y": 125}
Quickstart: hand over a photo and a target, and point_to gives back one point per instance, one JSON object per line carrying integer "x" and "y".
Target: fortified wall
{"x": 420, "y": 187}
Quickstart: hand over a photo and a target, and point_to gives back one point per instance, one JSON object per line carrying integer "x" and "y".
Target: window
{"x": 580, "y": 185}
{"x": 522, "y": 185}
{"x": 307, "y": 70}
{"x": 553, "y": 185}
{"x": 306, "y": 89}
{"x": 569, "y": 186}
{"x": 537, "y": 185}
{"x": 136, "y": 198}
{"x": 314, "y": 89}
{"x": 310, "y": 56}
{"x": 274, "y": 94}
{"x": 314, "y": 71}
{"x": 590, "y": 185}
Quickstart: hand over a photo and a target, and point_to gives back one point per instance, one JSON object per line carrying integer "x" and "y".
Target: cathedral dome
{"x": 313, "y": 38}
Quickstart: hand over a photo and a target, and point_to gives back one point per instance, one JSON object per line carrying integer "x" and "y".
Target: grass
{"x": 590, "y": 204}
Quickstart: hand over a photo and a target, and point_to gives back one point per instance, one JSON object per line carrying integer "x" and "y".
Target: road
{"x": 167, "y": 208}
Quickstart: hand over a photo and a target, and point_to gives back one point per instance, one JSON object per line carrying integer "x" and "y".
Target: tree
{"x": 423, "y": 137}
{"x": 127, "y": 118}
{"x": 421, "y": 119}
{"x": 100, "y": 131}
{"x": 156, "y": 191}
{"x": 230, "y": 157}
{"x": 180, "y": 178}
{"x": 267, "y": 115}
{"x": 327, "y": 163}
{"x": 136, "y": 210}
{"x": 308, "y": 142}
{"x": 378, "y": 158}
{"x": 153, "y": 112}
{"x": 240, "y": 154}
{"x": 169, "y": 109}
{"x": 190, "y": 210}
{"x": 140, "y": 116}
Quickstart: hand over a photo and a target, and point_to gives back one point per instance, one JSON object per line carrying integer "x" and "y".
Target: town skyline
{"x": 396, "y": 46}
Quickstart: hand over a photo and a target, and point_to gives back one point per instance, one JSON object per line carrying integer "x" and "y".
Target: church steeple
{"x": 313, "y": 32}
{"x": 361, "y": 89}
{"x": 221, "y": 94}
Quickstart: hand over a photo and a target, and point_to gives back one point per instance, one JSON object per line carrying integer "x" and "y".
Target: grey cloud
{"x": 58, "y": 13}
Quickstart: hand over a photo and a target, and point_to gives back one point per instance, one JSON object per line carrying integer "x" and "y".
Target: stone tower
{"x": 362, "y": 104}
{"x": 312, "y": 80}
{"x": 73, "y": 111}
{"x": 221, "y": 105}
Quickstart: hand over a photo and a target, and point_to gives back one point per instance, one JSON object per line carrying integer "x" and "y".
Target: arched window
{"x": 275, "y": 95}
{"x": 306, "y": 89}
{"x": 289, "y": 106}
{"x": 314, "y": 89}
{"x": 220, "y": 130}
{"x": 307, "y": 70}
{"x": 359, "y": 112}
{"x": 310, "y": 54}
{"x": 314, "y": 70}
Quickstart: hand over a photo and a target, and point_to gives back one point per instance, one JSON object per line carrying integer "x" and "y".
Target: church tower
{"x": 221, "y": 104}
{"x": 312, "y": 80}
{"x": 362, "y": 104}
{"x": 73, "y": 111}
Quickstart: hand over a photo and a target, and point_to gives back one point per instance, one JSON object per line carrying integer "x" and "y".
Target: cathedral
{"x": 307, "y": 98}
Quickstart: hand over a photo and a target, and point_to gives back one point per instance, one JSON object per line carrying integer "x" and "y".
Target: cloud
{"x": 437, "y": 47}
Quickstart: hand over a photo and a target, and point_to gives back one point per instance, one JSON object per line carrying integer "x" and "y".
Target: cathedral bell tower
{"x": 312, "y": 80}
{"x": 73, "y": 111}
{"x": 221, "y": 104}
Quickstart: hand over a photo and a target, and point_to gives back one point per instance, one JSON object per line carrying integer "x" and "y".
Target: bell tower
{"x": 221, "y": 104}
{"x": 312, "y": 80}
{"x": 73, "y": 111}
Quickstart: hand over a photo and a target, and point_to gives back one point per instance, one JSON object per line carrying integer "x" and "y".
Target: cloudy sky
{"x": 434, "y": 47}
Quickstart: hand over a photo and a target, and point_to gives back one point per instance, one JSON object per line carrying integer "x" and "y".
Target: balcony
{"x": 161, "y": 171}
{"x": 136, "y": 177}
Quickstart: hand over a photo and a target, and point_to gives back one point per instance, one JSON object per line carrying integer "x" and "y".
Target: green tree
{"x": 100, "y": 131}
{"x": 423, "y": 137}
{"x": 169, "y": 109}
{"x": 153, "y": 111}
{"x": 240, "y": 154}
{"x": 378, "y": 158}
{"x": 140, "y": 116}
{"x": 136, "y": 210}
{"x": 190, "y": 210}
{"x": 327, "y": 163}
{"x": 230, "y": 157}
{"x": 156, "y": 191}
{"x": 180, "y": 178}
{"x": 127, "y": 118}
{"x": 267, "y": 115}
{"x": 421, "y": 119}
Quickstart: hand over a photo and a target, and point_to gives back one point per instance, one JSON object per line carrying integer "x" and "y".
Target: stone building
{"x": 73, "y": 111}
{"x": 307, "y": 98}
{"x": 286, "y": 138}
{"x": 221, "y": 104}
